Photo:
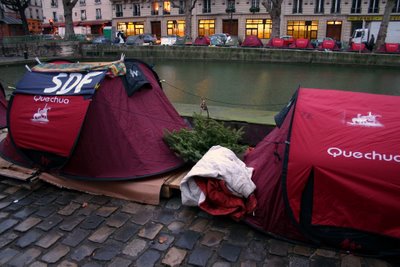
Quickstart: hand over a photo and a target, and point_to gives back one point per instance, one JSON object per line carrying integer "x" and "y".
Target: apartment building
{"x": 34, "y": 16}
{"x": 331, "y": 18}
{"x": 236, "y": 17}
{"x": 300, "y": 18}
{"x": 89, "y": 16}
{"x": 11, "y": 24}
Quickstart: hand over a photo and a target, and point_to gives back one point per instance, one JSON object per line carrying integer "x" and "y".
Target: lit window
{"x": 154, "y": 8}
{"x": 206, "y": 27}
{"x": 262, "y": 28}
{"x": 302, "y": 29}
{"x": 176, "y": 27}
{"x": 167, "y": 8}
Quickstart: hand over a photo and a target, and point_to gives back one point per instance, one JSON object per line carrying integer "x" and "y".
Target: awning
{"x": 10, "y": 20}
{"x": 95, "y": 22}
{"x": 58, "y": 24}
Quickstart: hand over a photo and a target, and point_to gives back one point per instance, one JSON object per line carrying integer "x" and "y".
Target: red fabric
{"x": 202, "y": 40}
{"x": 277, "y": 42}
{"x": 342, "y": 138}
{"x": 220, "y": 201}
{"x": 122, "y": 137}
{"x": 328, "y": 44}
{"x": 301, "y": 43}
{"x": 252, "y": 41}
{"x": 358, "y": 47}
{"x": 267, "y": 160}
{"x": 39, "y": 122}
{"x": 3, "y": 108}
{"x": 392, "y": 48}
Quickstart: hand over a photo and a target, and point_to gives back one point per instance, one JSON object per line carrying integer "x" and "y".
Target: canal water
{"x": 263, "y": 86}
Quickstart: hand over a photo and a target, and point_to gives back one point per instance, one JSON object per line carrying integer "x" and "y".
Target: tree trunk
{"x": 276, "y": 23}
{"x": 68, "y": 5}
{"x": 189, "y": 6}
{"x": 273, "y": 7}
{"x": 380, "y": 40}
{"x": 24, "y": 21}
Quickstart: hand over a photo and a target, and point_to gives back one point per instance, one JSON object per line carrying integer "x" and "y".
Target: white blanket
{"x": 219, "y": 163}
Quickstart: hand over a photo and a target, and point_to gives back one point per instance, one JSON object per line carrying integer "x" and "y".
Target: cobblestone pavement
{"x": 49, "y": 226}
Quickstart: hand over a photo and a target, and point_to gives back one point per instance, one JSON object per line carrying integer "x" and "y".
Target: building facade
{"x": 34, "y": 16}
{"x": 309, "y": 19}
{"x": 239, "y": 17}
{"x": 331, "y": 18}
{"x": 11, "y": 24}
{"x": 89, "y": 16}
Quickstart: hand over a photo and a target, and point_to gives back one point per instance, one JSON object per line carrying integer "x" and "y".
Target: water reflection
{"x": 266, "y": 86}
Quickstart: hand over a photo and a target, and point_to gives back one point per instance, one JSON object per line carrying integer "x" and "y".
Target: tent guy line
{"x": 219, "y": 101}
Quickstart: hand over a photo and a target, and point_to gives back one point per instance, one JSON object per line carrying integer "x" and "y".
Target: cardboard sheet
{"x": 144, "y": 191}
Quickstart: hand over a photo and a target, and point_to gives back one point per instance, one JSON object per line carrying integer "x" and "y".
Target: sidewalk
{"x": 49, "y": 226}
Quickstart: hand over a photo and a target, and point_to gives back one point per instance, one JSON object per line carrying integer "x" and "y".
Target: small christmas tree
{"x": 192, "y": 144}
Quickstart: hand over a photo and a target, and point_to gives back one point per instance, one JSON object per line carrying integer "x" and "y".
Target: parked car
{"x": 169, "y": 39}
{"x": 101, "y": 40}
{"x": 142, "y": 39}
{"x": 51, "y": 37}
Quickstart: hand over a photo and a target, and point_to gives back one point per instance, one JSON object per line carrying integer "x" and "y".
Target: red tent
{"x": 202, "y": 40}
{"x": 252, "y": 41}
{"x": 330, "y": 171}
{"x": 276, "y": 43}
{"x": 357, "y": 47}
{"x": 391, "y": 48}
{"x": 3, "y": 108}
{"x": 92, "y": 124}
{"x": 329, "y": 44}
{"x": 301, "y": 43}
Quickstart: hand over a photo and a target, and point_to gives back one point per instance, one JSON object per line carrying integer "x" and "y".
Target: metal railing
{"x": 45, "y": 38}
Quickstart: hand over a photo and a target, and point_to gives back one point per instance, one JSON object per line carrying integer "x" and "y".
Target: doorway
{"x": 156, "y": 28}
{"x": 334, "y": 30}
{"x": 230, "y": 26}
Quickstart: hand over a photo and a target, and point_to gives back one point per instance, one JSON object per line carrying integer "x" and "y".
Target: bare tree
{"x": 380, "y": 39}
{"x": 19, "y": 6}
{"x": 274, "y": 8}
{"x": 68, "y": 5}
{"x": 188, "y": 6}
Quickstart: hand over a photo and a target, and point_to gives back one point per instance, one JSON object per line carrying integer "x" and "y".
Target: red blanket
{"x": 221, "y": 201}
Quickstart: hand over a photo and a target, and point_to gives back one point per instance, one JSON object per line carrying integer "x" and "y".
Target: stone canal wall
{"x": 239, "y": 54}
{"x": 84, "y": 50}
{"x": 41, "y": 49}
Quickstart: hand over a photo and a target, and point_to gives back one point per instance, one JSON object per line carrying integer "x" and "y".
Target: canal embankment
{"x": 86, "y": 50}
{"x": 239, "y": 117}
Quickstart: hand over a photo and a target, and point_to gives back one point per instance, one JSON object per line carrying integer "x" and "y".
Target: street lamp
{"x": 230, "y": 9}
